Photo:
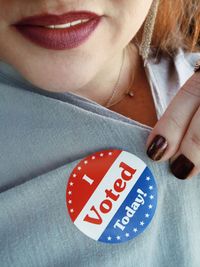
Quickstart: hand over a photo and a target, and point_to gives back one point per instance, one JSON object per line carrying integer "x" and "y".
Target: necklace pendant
{"x": 131, "y": 93}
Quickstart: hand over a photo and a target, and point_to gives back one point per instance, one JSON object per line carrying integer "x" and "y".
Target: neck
{"x": 104, "y": 82}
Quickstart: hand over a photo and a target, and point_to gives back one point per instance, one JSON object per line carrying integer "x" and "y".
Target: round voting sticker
{"x": 111, "y": 196}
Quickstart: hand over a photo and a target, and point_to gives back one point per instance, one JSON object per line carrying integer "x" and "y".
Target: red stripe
{"x": 81, "y": 190}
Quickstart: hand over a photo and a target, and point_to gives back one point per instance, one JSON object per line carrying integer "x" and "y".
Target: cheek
{"x": 8, "y": 10}
{"x": 129, "y": 16}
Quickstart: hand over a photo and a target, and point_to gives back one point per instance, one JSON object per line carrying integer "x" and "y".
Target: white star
{"x": 127, "y": 234}
{"x": 93, "y": 157}
{"x": 151, "y": 197}
{"x": 79, "y": 168}
{"x": 142, "y": 223}
{"x": 110, "y": 153}
{"x": 118, "y": 237}
{"x": 147, "y": 215}
{"x": 85, "y": 161}
{"x": 74, "y": 175}
{"x": 150, "y": 187}
{"x": 101, "y": 155}
{"x": 148, "y": 178}
{"x": 71, "y": 183}
{"x": 150, "y": 206}
{"x": 135, "y": 230}
{"x": 71, "y": 210}
{"x": 109, "y": 238}
{"x": 70, "y": 202}
{"x": 70, "y": 192}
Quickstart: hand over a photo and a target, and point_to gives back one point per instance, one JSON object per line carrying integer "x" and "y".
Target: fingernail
{"x": 157, "y": 147}
{"x": 181, "y": 167}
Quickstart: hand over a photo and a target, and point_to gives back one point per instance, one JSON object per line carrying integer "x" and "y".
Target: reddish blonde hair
{"x": 177, "y": 25}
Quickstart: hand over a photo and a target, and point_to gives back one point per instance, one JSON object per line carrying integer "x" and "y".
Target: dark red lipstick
{"x": 34, "y": 29}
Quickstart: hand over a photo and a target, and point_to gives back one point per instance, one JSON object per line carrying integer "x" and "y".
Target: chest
{"x": 139, "y": 107}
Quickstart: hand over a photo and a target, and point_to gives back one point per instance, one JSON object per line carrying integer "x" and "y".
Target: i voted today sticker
{"x": 111, "y": 196}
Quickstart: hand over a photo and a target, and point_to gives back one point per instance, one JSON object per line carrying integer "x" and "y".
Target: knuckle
{"x": 194, "y": 88}
{"x": 195, "y": 139}
{"x": 175, "y": 121}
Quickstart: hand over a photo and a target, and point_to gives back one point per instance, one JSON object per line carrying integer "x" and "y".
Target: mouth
{"x": 59, "y": 31}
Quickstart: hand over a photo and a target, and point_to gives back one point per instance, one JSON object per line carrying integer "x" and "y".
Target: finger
{"x": 186, "y": 162}
{"x": 174, "y": 122}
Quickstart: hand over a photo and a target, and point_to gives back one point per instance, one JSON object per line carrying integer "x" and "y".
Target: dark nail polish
{"x": 181, "y": 167}
{"x": 157, "y": 148}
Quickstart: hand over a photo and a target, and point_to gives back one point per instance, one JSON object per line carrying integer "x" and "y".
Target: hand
{"x": 177, "y": 134}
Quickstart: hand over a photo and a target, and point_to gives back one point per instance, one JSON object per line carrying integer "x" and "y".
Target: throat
{"x": 138, "y": 105}
{"x": 141, "y": 110}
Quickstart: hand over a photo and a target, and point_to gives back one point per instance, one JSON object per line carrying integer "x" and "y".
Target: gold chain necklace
{"x": 128, "y": 91}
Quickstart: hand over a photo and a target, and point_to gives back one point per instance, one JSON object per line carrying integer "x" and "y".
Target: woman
{"x": 68, "y": 93}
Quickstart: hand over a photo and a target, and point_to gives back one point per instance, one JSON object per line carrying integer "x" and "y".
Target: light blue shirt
{"x": 44, "y": 135}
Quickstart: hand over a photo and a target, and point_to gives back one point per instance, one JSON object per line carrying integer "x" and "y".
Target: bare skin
{"x": 141, "y": 106}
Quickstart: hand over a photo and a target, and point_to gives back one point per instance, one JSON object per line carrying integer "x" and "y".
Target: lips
{"x": 50, "y": 19}
{"x": 32, "y": 28}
